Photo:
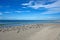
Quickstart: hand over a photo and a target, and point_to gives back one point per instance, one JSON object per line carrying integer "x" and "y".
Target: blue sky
{"x": 29, "y": 9}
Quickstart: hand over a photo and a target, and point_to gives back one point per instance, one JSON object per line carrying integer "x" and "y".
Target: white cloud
{"x": 52, "y": 11}
{"x": 30, "y": 4}
{"x": 36, "y": 6}
{"x": 41, "y": 4}
{"x": 21, "y": 11}
{"x": 26, "y": 4}
{"x": 56, "y": 4}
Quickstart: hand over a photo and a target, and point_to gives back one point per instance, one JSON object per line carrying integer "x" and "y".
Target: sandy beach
{"x": 31, "y": 32}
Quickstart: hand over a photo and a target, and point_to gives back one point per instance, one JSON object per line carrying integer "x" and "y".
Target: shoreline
{"x": 24, "y": 32}
{"x": 25, "y": 26}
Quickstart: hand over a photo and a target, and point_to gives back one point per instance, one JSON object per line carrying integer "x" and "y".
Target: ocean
{"x": 6, "y": 23}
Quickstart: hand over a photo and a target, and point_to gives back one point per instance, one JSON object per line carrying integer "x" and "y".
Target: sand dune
{"x": 31, "y": 32}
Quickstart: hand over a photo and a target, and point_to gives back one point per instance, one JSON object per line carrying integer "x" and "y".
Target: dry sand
{"x": 32, "y": 32}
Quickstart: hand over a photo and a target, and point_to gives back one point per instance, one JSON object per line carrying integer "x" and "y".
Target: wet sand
{"x": 31, "y": 32}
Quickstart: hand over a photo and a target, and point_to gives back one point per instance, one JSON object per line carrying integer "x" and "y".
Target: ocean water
{"x": 10, "y": 23}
